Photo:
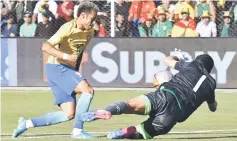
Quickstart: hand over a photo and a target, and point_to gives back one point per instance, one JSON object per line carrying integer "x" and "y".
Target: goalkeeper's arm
{"x": 212, "y": 104}
{"x": 175, "y": 63}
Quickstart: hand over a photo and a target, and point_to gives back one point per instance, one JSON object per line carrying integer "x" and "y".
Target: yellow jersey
{"x": 68, "y": 39}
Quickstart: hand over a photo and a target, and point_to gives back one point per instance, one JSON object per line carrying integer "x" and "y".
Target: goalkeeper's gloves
{"x": 179, "y": 54}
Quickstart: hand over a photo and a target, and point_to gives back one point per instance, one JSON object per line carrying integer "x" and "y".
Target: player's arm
{"x": 51, "y": 50}
{"x": 175, "y": 63}
{"x": 212, "y": 104}
{"x": 170, "y": 61}
{"x": 49, "y": 46}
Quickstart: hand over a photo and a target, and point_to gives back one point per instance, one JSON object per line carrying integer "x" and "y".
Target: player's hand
{"x": 179, "y": 54}
{"x": 72, "y": 58}
{"x": 213, "y": 106}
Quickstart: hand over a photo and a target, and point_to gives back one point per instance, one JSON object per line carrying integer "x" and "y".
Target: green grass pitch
{"x": 202, "y": 125}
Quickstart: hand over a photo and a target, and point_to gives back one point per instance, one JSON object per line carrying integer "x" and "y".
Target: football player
{"x": 173, "y": 102}
{"x": 65, "y": 49}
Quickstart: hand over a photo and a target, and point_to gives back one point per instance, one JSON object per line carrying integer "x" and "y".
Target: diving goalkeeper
{"x": 173, "y": 102}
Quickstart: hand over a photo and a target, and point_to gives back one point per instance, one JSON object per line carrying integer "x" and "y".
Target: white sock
{"x": 76, "y": 131}
{"x": 29, "y": 124}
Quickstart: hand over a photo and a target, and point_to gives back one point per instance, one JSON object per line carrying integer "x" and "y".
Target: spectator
{"x": 28, "y": 28}
{"x": 99, "y": 28}
{"x": 139, "y": 9}
{"x": 163, "y": 26}
{"x": 29, "y": 5}
{"x": 204, "y": 5}
{"x": 65, "y": 10}
{"x": 45, "y": 28}
{"x": 9, "y": 30}
{"x": 145, "y": 29}
{"x": 184, "y": 27}
{"x": 180, "y": 5}
{"x": 103, "y": 6}
{"x": 228, "y": 28}
{"x": 169, "y": 8}
{"x": 122, "y": 7}
{"x": 122, "y": 27}
{"x": 3, "y": 19}
{"x": 42, "y": 7}
{"x": 206, "y": 27}
{"x": 235, "y": 12}
{"x": 18, "y": 10}
{"x": 221, "y": 5}
{"x": 7, "y": 4}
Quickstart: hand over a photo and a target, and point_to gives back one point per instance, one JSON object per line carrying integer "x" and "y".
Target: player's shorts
{"x": 164, "y": 114}
{"x": 63, "y": 80}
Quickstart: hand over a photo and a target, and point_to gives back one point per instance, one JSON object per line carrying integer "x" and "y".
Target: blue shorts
{"x": 63, "y": 80}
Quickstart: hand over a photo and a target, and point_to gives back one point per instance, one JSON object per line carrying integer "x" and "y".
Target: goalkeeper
{"x": 173, "y": 102}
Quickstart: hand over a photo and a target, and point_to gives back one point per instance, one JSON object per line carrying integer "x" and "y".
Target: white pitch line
{"x": 50, "y": 135}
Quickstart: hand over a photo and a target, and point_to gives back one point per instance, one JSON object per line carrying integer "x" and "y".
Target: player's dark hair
{"x": 87, "y": 7}
{"x": 206, "y": 61}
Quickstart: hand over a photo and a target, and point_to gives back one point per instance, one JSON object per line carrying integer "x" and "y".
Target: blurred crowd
{"x": 133, "y": 18}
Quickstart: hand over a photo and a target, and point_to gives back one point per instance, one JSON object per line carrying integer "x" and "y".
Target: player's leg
{"x": 48, "y": 119}
{"x": 134, "y": 132}
{"x": 62, "y": 99}
{"x": 66, "y": 104}
{"x": 139, "y": 105}
{"x": 164, "y": 114}
{"x": 66, "y": 114}
{"x": 72, "y": 83}
{"x": 150, "y": 128}
{"x": 82, "y": 106}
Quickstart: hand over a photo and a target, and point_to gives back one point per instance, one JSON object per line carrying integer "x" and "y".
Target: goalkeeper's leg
{"x": 150, "y": 128}
{"x": 138, "y": 105}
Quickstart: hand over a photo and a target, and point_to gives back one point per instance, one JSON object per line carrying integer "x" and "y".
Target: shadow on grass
{"x": 47, "y": 135}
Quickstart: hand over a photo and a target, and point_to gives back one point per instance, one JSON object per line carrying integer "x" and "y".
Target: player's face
{"x": 88, "y": 19}
{"x": 155, "y": 82}
{"x": 96, "y": 26}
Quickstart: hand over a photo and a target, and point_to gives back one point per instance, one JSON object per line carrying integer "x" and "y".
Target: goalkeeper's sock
{"x": 83, "y": 105}
{"x": 117, "y": 108}
{"x": 48, "y": 119}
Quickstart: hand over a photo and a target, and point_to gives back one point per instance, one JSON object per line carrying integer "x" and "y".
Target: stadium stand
{"x": 158, "y": 18}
